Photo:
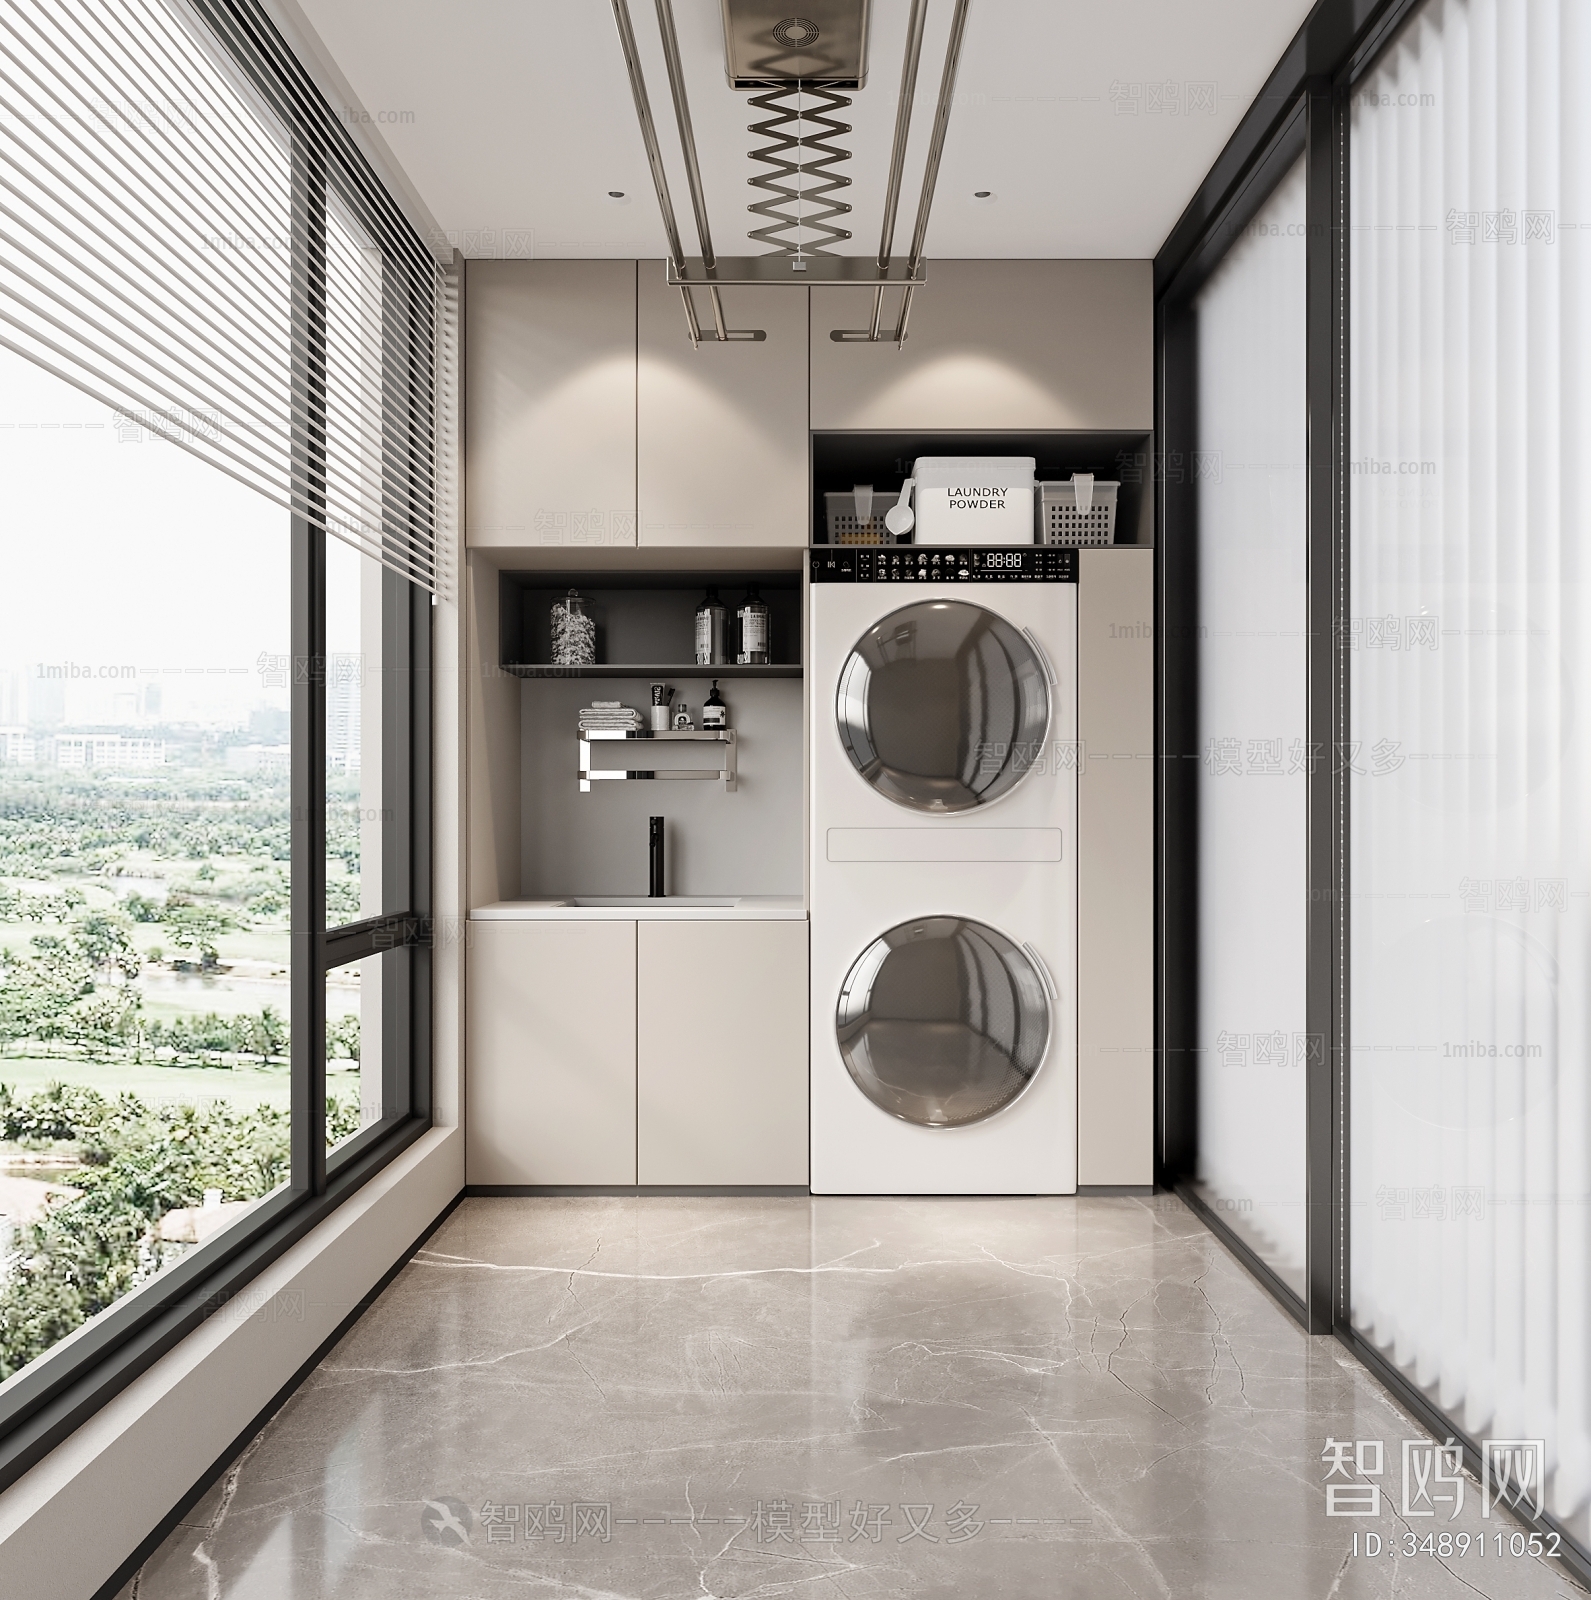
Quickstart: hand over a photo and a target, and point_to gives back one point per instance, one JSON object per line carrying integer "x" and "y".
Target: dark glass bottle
{"x": 712, "y": 631}
{"x": 715, "y": 714}
{"x": 754, "y": 631}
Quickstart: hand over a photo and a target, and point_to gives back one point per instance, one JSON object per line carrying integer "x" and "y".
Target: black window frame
{"x": 55, "y": 1394}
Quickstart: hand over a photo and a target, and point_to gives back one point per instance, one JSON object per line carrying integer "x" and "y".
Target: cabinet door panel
{"x": 995, "y": 344}
{"x": 721, "y": 431}
{"x": 549, "y": 413}
{"x": 551, "y": 1053}
{"x": 1116, "y": 868}
{"x": 722, "y": 1060}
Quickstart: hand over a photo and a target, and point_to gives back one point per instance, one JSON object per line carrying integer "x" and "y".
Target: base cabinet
{"x": 605, "y": 1054}
{"x": 551, "y": 1084}
{"x": 721, "y": 1062}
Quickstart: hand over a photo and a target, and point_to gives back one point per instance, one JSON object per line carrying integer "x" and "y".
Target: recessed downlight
{"x": 617, "y": 196}
{"x": 985, "y": 195}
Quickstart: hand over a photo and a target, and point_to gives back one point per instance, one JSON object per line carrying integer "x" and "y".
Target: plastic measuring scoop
{"x": 900, "y": 517}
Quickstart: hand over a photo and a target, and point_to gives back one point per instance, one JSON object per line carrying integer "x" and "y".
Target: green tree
{"x": 106, "y": 941}
{"x": 199, "y": 929}
{"x": 138, "y": 1163}
{"x": 342, "y": 1037}
{"x": 141, "y": 909}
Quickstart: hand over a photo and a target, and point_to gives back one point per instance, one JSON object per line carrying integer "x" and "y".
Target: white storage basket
{"x": 846, "y": 527}
{"x": 1078, "y": 512}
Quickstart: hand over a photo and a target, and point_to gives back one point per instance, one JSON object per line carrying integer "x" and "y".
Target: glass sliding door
{"x": 1248, "y": 482}
{"x": 1469, "y": 637}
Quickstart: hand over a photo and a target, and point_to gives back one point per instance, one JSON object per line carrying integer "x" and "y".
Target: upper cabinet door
{"x": 721, "y": 431}
{"x": 994, "y": 344}
{"x": 549, "y": 413}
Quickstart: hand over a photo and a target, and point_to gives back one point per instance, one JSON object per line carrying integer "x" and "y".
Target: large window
{"x": 1252, "y": 1040}
{"x": 217, "y": 386}
{"x": 1470, "y": 643}
{"x": 1424, "y": 901}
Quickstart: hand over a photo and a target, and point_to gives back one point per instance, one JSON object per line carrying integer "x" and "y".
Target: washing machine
{"x": 943, "y": 882}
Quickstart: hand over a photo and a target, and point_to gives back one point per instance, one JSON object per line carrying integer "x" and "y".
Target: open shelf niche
{"x": 582, "y": 826}
{"x": 840, "y": 461}
{"x": 646, "y": 622}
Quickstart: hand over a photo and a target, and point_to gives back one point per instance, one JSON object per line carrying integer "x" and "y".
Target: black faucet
{"x": 655, "y": 840}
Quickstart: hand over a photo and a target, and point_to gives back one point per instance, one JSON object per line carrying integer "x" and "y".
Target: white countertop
{"x": 638, "y": 908}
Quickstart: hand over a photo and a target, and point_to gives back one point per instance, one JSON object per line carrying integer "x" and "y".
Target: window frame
{"x": 52, "y": 1396}
{"x": 1304, "y": 106}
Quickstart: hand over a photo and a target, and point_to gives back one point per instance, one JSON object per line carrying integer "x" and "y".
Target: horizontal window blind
{"x": 201, "y": 246}
{"x": 1470, "y": 644}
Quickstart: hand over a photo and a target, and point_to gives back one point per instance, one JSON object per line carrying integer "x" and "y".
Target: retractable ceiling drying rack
{"x": 790, "y": 57}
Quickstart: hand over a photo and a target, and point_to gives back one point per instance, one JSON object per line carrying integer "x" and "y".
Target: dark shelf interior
{"x": 645, "y": 621}
{"x": 840, "y": 461}
{"x": 666, "y": 669}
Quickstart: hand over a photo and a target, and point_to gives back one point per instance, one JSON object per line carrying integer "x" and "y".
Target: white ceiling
{"x": 511, "y": 119}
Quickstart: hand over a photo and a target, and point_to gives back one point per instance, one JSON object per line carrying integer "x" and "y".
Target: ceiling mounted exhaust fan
{"x": 801, "y": 64}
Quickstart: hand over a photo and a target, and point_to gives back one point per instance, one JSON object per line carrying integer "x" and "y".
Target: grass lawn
{"x": 248, "y": 1086}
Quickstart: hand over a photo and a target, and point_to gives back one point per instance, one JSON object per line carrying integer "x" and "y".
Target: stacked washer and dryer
{"x": 943, "y": 809}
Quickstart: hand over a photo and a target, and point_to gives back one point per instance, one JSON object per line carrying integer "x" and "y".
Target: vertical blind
{"x": 176, "y": 238}
{"x": 1470, "y": 641}
{"x": 1249, "y": 469}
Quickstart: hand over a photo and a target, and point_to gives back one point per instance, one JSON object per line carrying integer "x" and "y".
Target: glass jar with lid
{"x": 574, "y": 632}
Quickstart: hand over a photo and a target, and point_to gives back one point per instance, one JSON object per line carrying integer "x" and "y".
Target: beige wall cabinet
{"x": 551, "y": 1058}
{"x": 995, "y": 344}
{"x": 721, "y": 430}
{"x": 549, "y": 410}
{"x": 722, "y": 1053}
{"x": 1115, "y": 868}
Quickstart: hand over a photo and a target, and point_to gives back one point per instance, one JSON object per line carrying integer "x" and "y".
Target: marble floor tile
{"x": 832, "y": 1399}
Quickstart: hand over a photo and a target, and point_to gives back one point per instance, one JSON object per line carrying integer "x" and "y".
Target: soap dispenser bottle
{"x": 715, "y": 714}
{"x": 753, "y": 617}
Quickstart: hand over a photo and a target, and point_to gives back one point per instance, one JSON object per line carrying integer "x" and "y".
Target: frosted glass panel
{"x": 1470, "y": 643}
{"x": 1250, "y": 472}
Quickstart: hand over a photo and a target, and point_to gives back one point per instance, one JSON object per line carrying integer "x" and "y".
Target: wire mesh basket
{"x": 847, "y": 527}
{"x": 1078, "y": 511}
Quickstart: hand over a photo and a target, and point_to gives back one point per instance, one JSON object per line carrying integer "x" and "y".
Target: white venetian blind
{"x": 1253, "y": 624}
{"x": 1471, "y": 704}
{"x": 223, "y": 271}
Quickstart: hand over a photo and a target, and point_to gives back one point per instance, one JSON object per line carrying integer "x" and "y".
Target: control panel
{"x": 909, "y": 564}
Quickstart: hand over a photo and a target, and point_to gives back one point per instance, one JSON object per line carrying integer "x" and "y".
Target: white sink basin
{"x": 649, "y": 900}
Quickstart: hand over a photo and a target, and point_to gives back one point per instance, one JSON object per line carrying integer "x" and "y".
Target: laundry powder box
{"x": 974, "y": 499}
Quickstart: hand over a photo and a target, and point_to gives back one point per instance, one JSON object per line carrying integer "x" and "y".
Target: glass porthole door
{"x": 943, "y": 1021}
{"x": 943, "y": 706}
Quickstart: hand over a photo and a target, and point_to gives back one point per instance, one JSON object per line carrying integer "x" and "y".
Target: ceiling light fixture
{"x": 795, "y": 58}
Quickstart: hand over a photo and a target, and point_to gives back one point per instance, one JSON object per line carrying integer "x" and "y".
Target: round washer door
{"x": 943, "y": 1021}
{"x": 943, "y": 706}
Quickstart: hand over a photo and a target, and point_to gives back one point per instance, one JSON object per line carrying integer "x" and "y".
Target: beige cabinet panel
{"x": 721, "y": 430}
{"x": 551, "y": 1053}
{"x": 1115, "y": 868}
{"x": 549, "y": 403}
{"x": 721, "y": 1076}
{"x": 995, "y": 344}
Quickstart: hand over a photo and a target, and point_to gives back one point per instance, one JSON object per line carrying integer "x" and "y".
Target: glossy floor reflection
{"x": 863, "y": 1399}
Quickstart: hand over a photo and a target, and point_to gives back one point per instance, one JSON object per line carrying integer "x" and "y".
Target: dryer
{"x": 943, "y": 802}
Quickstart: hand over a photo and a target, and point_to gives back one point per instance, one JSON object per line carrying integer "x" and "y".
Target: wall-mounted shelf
{"x": 610, "y": 669}
{"x": 591, "y": 773}
{"x": 645, "y": 621}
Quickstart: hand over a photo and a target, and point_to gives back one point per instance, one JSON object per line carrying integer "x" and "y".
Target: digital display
{"x": 1003, "y": 558}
